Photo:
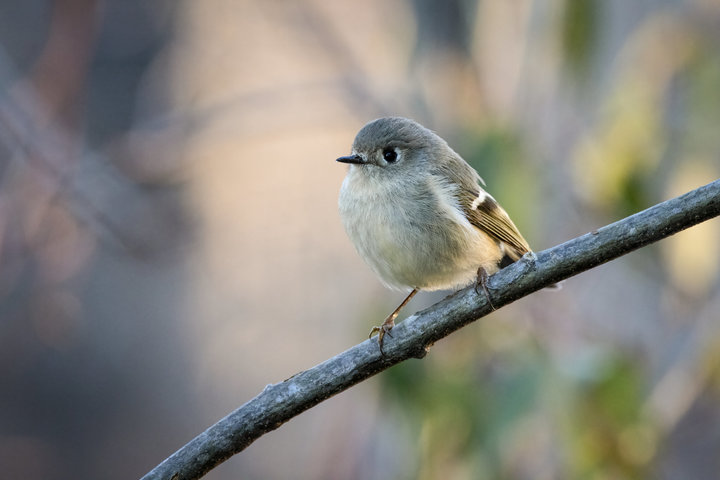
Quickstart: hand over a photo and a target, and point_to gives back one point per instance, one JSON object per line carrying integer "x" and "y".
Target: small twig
{"x": 278, "y": 403}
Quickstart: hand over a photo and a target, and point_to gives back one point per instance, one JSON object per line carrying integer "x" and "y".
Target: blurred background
{"x": 170, "y": 243}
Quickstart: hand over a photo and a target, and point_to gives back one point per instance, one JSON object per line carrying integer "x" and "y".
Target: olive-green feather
{"x": 489, "y": 216}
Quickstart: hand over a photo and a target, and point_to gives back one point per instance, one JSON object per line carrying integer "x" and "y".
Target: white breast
{"x": 420, "y": 239}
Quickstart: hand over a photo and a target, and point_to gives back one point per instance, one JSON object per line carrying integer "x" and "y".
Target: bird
{"x": 418, "y": 215}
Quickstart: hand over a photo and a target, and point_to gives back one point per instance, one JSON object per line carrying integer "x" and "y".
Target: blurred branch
{"x": 278, "y": 403}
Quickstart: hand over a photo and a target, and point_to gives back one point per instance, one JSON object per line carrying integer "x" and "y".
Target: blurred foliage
{"x": 499, "y": 153}
{"x": 501, "y": 411}
{"x": 467, "y": 406}
{"x": 700, "y": 80}
{"x": 615, "y": 163}
{"x": 579, "y": 34}
{"x": 607, "y": 434}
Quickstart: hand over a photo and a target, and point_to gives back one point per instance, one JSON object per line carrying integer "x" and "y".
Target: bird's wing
{"x": 481, "y": 209}
{"x": 485, "y": 213}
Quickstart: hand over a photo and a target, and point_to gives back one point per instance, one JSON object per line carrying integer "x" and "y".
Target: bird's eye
{"x": 390, "y": 155}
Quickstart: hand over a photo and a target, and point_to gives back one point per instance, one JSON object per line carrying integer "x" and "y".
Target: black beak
{"x": 354, "y": 159}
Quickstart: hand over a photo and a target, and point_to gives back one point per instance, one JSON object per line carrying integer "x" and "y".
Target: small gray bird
{"x": 417, "y": 215}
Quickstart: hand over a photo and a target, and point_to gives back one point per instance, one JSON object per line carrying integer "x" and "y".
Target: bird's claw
{"x": 482, "y": 278}
{"x": 382, "y": 330}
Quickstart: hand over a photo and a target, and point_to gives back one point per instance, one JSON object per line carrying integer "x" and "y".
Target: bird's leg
{"x": 389, "y": 322}
{"x": 482, "y": 278}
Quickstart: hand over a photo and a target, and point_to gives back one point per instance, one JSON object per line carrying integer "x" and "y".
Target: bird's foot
{"x": 389, "y": 322}
{"x": 383, "y": 330}
{"x": 482, "y": 278}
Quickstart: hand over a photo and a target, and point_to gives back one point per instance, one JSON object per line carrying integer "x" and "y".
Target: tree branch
{"x": 280, "y": 402}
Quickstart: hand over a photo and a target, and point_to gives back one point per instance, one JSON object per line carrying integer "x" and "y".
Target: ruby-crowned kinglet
{"x": 417, "y": 215}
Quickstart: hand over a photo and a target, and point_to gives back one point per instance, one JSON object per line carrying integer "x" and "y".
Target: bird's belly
{"x": 407, "y": 254}
{"x": 414, "y": 241}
